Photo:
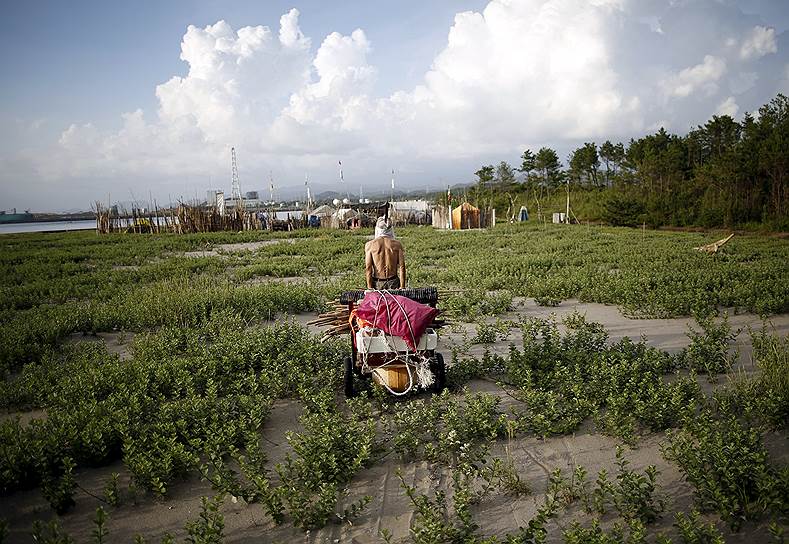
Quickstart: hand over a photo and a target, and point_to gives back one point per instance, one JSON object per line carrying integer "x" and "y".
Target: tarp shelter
{"x": 345, "y": 218}
{"x": 322, "y": 211}
{"x": 410, "y": 212}
{"x": 410, "y": 206}
{"x": 442, "y": 216}
{"x": 346, "y": 213}
{"x": 465, "y": 216}
{"x": 523, "y": 215}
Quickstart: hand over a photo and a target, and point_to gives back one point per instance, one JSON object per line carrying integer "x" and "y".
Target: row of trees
{"x": 724, "y": 173}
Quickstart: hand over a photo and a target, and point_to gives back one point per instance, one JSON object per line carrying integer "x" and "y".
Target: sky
{"x": 121, "y": 100}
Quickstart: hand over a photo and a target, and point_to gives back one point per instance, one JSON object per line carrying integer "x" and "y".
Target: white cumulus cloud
{"x": 758, "y": 43}
{"x": 524, "y": 68}
{"x": 728, "y": 107}
{"x": 703, "y": 76}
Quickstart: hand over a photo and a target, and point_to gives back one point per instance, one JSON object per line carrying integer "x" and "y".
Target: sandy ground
{"x": 534, "y": 458}
{"x": 240, "y": 247}
{"x": 118, "y": 343}
{"x": 288, "y": 280}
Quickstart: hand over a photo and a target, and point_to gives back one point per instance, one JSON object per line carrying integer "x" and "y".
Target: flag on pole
{"x": 341, "y": 178}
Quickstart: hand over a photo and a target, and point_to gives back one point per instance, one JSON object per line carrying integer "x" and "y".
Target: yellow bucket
{"x": 395, "y": 376}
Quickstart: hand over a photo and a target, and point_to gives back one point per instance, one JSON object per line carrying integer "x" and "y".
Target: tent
{"x": 465, "y": 216}
{"x": 345, "y": 218}
{"x": 415, "y": 212}
{"x": 322, "y": 211}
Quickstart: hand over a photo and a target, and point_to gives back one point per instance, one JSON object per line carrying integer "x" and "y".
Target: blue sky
{"x": 96, "y": 99}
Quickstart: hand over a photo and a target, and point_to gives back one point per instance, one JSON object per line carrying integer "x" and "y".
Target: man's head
{"x": 383, "y": 228}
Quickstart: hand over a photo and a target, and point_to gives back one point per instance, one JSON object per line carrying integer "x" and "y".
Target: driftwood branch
{"x": 715, "y": 246}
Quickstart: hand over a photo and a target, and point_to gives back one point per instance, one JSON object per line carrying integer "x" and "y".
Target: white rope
{"x": 393, "y": 349}
{"x": 423, "y": 374}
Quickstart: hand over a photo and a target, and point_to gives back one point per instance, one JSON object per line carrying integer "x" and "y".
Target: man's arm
{"x": 368, "y": 267}
{"x": 401, "y": 268}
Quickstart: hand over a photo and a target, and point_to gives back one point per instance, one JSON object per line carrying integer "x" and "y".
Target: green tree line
{"x": 722, "y": 173}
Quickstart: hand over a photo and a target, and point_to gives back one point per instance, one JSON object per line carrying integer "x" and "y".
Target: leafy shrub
{"x": 550, "y": 413}
{"x": 445, "y": 428}
{"x": 475, "y": 303}
{"x": 19, "y": 469}
{"x": 727, "y": 465}
{"x": 51, "y": 534}
{"x": 763, "y": 397}
{"x": 437, "y": 519}
{"x": 709, "y": 350}
{"x": 772, "y": 354}
{"x": 100, "y": 531}
{"x": 209, "y": 527}
{"x": 111, "y": 492}
{"x": 182, "y": 301}
{"x": 633, "y": 495}
{"x": 464, "y": 369}
{"x": 635, "y": 534}
{"x": 487, "y": 333}
{"x": 330, "y": 450}
{"x": 203, "y": 376}
{"x": 694, "y": 531}
{"x": 564, "y": 379}
{"x": 547, "y": 300}
{"x": 565, "y": 491}
{"x": 185, "y": 391}
{"x": 58, "y": 488}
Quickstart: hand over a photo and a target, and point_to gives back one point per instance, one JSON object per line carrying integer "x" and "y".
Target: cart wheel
{"x": 348, "y": 379}
{"x": 356, "y": 368}
{"x": 439, "y": 373}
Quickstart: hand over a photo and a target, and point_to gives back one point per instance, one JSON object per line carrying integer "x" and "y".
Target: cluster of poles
{"x": 183, "y": 219}
{"x": 109, "y": 220}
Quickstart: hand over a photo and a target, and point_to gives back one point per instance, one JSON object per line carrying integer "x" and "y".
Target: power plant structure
{"x": 235, "y": 188}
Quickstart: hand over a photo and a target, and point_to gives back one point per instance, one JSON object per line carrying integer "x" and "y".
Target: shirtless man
{"x": 384, "y": 260}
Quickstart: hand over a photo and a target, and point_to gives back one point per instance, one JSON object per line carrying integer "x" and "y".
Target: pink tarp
{"x": 393, "y": 314}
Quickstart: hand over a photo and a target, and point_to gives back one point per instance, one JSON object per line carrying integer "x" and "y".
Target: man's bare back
{"x": 384, "y": 263}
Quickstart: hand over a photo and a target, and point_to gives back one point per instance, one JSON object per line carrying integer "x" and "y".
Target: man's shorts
{"x": 387, "y": 283}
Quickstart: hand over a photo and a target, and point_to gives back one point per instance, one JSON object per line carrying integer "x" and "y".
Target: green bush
{"x": 763, "y": 397}
{"x": 708, "y": 351}
{"x": 728, "y": 467}
{"x": 209, "y": 527}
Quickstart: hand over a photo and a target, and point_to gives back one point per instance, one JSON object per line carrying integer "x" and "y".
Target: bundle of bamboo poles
{"x": 338, "y": 316}
{"x": 337, "y": 319}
